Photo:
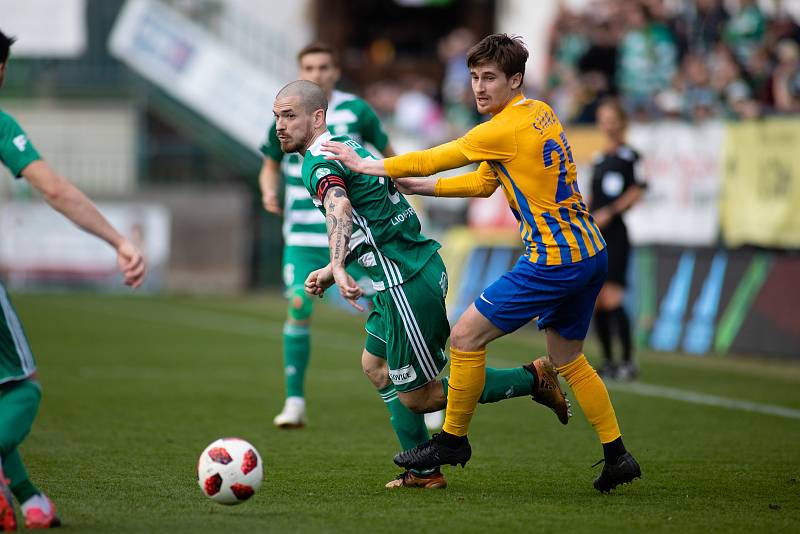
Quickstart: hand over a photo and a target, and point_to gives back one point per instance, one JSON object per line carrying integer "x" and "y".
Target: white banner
{"x": 38, "y": 242}
{"x": 45, "y": 28}
{"x": 682, "y": 168}
{"x": 196, "y": 68}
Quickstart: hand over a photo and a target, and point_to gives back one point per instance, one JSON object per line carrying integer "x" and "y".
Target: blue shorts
{"x": 561, "y": 296}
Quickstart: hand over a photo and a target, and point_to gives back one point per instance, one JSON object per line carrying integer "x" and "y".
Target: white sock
{"x": 37, "y": 501}
{"x": 299, "y": 402}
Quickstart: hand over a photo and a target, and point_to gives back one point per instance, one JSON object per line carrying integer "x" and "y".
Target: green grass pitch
{"x": 136, "y": 387}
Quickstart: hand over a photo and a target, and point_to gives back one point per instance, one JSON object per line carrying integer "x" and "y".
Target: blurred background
{"x": 156, "y": 109}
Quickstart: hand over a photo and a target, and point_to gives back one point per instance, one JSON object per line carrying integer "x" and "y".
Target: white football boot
{"x": 434, "y": 420}
{"x": 293, "y": 414}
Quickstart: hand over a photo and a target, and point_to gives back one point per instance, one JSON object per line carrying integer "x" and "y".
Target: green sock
{"x": 14, "y": 470}
{"x": 502, "y": 384}
{"x": 408, "y": 426}
{"x": 296, "y": 352}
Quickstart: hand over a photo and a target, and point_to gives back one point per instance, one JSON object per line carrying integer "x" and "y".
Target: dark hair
{"x": 318, "y": 47}
{"x": 5, "y": 46}
{"x": 508, "y": 52}
{"x": 616, "y": 105}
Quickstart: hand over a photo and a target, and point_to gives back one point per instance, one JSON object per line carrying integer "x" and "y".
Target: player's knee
{"x": 462, "y": 338}
{"x": 300, "y": 304}
{"x": 376, "y": 371}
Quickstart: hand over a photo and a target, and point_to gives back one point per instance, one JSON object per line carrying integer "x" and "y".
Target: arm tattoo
{"x": 331, "y": 222}
{"x": 339, "y": 220}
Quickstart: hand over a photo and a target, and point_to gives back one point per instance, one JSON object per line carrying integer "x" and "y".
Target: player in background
{"x": 524, "y": 150}
{"x": 368, "y": 221}
{"x": 616, "y": 187}
{"x": 305, "y": 240}
{"x": 20, "y": 391}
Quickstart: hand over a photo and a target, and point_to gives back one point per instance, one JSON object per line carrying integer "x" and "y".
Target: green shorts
{"x": 16, "y": 358}
{"x": 299, "y": 262}
{"x": 409, "y": 328}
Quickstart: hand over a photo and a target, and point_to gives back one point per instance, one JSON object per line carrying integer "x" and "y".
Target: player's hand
{"x": 405, "y": 185}
{"x": 348, "y": 288}
{"x": 271, "y": 202}
{"x": 318, "y": 281}
{"x": 345, "y": 154}
{"x": 602, "y": 217}
{"x": 131, "y": 264}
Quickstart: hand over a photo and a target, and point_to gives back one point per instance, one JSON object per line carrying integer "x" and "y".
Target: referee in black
{"x": 616, "y": 186}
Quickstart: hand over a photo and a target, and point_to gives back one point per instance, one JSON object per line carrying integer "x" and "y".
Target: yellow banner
{"x": 760, "y": 202}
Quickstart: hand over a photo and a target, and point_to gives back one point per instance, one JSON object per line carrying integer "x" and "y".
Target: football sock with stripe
{"x": 467, "y": 380}
{"x": 14, "y": 470}
{"x": 502, "y": 384}
{"x": 296, "y": 353}
{"x": 409, "y": 427}
{"x": 592, "y": 395}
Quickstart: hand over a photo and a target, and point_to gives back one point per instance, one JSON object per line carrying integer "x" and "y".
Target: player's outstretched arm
{"x": 62, "y": 195}
{"x": 480, "y": 183}
{"x": 339, "y": 220}
{"x": 420, "y": 163}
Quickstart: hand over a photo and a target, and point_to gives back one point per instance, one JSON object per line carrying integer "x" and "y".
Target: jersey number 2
{"x": 564, "y": 190}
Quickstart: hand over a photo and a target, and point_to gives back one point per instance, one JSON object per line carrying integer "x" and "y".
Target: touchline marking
{"x": 651, "y": 390}
{"x": 663, "y": 392}
{"x": 191, "y": 317}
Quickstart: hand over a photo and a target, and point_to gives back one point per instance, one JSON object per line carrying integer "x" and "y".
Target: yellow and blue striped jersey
{"x": 524, "y": 150}
{"x": 527, "y": 149}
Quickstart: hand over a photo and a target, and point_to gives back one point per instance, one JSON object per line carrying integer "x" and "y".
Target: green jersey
{"x": 16, "y": 151}
{"x": 388, "y": 242}
{"x": 347, "y": 114}
{"x": 16, "y": 358}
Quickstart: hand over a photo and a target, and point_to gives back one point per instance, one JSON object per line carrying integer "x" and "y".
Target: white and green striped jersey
{"x": 387, "y": 240}
{"x": 303, "y": 225}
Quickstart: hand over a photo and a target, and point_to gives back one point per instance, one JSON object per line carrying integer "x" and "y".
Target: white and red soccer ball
{"x": 230, "y": 471}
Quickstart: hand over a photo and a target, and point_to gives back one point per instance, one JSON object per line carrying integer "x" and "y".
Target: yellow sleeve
{"x": 426, "y": 162}
{"x": 479, "y": 183}
{"x": 490, "y": 141}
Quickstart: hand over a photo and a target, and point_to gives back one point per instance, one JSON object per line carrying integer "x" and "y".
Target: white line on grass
{"x": 663, "y": 392}
{"x": 651, "y": 390}
{"x": 183, "y": 315}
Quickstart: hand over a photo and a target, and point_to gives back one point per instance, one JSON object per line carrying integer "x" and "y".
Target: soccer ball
{"x": 229, "y": 471}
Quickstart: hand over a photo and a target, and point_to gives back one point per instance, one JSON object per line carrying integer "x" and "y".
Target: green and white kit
{"x": 16, "y": 358}
{"x": 303, "y": 225}
{"x": 409, "y": 323}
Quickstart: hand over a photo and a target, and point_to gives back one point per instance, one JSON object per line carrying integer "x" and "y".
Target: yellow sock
{"x": 592, "y": 395}
{"x": 467, "y": 378}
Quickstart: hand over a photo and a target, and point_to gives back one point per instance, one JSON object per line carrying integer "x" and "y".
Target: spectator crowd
{"x": 690, "y": 59}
